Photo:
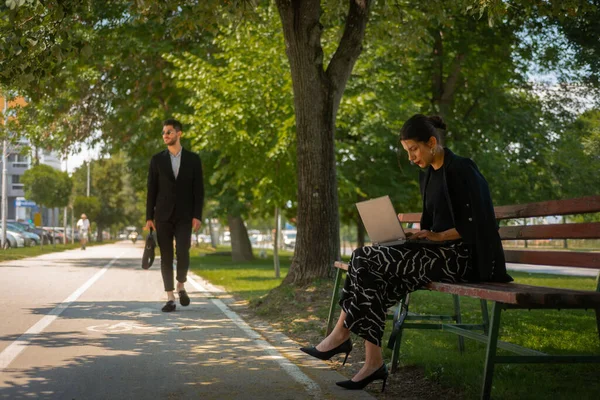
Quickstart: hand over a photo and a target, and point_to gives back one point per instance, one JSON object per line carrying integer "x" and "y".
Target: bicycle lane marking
{"x": 15, "y": 348}
{"x": 291, "y": 369}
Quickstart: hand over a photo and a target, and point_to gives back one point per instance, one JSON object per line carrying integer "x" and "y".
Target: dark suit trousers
{"x": 181, "y": 231}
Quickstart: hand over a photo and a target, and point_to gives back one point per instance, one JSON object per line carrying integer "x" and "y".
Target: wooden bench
{"x": 506, "y": 296}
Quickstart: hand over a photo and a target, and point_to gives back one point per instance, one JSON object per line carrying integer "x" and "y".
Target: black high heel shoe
{"x": 345, "y": 347}
{"x": 381, "y": 373}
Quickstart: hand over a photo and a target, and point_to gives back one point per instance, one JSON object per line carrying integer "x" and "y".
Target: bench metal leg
{"x": 396, "y": 335}
{"x": 598, "y": 309}
{"x": 334, "y": 300}
{"x": 484, "y": 316}
{"x": 490, "y": 355}
{"x": 458, "y": 319}
{"x": 598, "y": 321}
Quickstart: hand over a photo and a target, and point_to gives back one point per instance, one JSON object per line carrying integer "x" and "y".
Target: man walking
{"x": 83, "y": 226}
{"x": 174, "y": 207}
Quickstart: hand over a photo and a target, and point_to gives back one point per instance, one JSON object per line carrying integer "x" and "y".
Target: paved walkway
{"x": 87, "y": 325}
{"x": 546, "y": 269}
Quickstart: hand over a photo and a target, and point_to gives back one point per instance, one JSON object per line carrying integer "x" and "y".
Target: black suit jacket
{"x": 472, "y": 211}
{"x": 173, "y": 199}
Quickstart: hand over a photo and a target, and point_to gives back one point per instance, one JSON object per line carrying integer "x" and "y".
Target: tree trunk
{"x": 72, "y": 227}
{"x": 443, "y": 88}
{"x": 276, "y": 242}
{"x": 241, "y": 249}
{"x": 214, "y": 235}
{"x": 317, "y": 95}
{"x": 53, "y": 225}
{"x": 65, "y": 225}
{"x": 99, "y": 234}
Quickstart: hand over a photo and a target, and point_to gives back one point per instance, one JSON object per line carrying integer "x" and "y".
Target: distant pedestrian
{"x": 83, "y": 226}
{"x": 174, "y": 207}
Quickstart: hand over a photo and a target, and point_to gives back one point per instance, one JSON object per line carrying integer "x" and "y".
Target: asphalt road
{"x": 88, "y": 325}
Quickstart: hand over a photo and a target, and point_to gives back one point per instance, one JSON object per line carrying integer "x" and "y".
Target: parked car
{"x": 11, "y": 241}
{"x": 31, "y": 239}
{"x": 289, "y": 238}
{"x": 56, "y": 235}
{"x": 203, "y": 238}
{"x": 14, "y": 239}
{"x": 29, "y": 227}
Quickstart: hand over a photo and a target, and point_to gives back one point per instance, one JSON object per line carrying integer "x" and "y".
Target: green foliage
{"x": 38, "y": 39}
{"x": 47, "y": 186}
{"x": 574, "y": 167}
{"x": 222, "y": 68}
{"x": 35, "y": 38}
{"x": 90, "y": 206}
{"x": 106, "y": 188}
{"x": 242, "y": 113}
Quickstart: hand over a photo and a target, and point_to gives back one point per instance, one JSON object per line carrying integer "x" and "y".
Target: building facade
{"x": 17, "y": 162}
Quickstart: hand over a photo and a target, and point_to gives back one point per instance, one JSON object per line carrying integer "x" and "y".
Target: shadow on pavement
{"x": 131, "y": 350}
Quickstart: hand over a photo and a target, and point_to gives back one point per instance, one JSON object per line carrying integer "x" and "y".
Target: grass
{"x": 301, "y": 313}
{"x": 551, "y": 331}
{"x": 24, "y": 252}
{"x": 247, "y": 281}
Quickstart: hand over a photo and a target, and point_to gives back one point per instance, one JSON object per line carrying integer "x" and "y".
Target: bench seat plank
{"x": 521, "y": 295}
{"x": 515, "y": 293}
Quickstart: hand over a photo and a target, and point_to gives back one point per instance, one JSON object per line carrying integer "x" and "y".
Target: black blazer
{"x": 472, "y": 211}
{"x": 173, "y": 199}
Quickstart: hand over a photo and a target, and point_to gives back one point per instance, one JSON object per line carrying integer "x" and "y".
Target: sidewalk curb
{"x": 317, "y": 370}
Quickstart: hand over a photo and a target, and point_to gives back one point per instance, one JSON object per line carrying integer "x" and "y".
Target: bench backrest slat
{"x": 556, "y": 231}
{"x": 589, "y": 230}
{"x": 581, "y": 205}
{"x": 410, "y": 217}
{"x": 561, "y": 258}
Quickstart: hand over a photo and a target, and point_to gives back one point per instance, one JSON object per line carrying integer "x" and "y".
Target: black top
{"x": 437, "y": 205}
{"x": 470, "y": 203}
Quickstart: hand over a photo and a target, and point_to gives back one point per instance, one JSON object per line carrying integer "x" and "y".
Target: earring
{"x": 433, "y": 151}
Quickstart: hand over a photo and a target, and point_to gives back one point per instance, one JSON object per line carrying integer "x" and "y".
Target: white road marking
{"x": 121, "y": 327}
{"x": 15, "y": 348}
{"x": 292, "y": 369}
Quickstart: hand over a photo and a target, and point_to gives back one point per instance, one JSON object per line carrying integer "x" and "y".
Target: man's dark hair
{"x": 174, "y": 123}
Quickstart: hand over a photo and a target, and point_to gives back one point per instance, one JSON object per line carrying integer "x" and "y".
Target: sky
{"x": 76, "y": 160}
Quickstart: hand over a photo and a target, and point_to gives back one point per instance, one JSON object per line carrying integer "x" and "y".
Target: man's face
{"x": 170, "y": 136}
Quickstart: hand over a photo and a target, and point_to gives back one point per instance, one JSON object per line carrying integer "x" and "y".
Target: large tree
{"x": 318, "y": 88}
{"x": 131, "y": 91}
{"x": 48, "y": 187}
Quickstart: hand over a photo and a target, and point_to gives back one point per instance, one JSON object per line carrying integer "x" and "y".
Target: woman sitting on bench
{"x": 457, "y": 206}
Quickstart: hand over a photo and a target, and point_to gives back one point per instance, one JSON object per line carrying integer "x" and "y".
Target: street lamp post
{"x": 4, "y": 145}
{"x": 65, "y": 209}
{"x": 88, "y": 177}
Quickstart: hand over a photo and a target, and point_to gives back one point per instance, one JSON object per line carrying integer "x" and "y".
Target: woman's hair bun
{"x": 437, "y": 121}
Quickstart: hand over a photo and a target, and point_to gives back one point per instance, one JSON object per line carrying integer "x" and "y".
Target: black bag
{"x": 148, "y": 256}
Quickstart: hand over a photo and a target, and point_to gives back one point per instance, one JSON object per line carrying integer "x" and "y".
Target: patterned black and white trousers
{"x": 378, "y": 277}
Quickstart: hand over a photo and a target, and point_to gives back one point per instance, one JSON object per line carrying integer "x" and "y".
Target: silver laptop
{"x": 382, "y": 223}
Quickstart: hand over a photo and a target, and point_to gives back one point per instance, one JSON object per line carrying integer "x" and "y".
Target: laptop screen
{"x": 380, "y": 220}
